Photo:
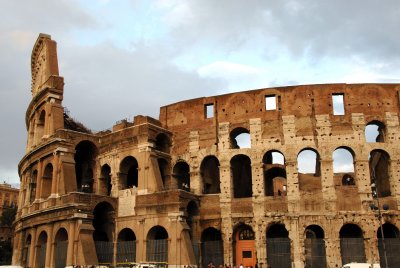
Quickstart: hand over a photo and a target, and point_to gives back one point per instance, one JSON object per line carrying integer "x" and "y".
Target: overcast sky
{"x": 124, "y": 58}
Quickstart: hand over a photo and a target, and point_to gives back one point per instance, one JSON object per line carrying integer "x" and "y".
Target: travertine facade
{"x": 183, "y": 189}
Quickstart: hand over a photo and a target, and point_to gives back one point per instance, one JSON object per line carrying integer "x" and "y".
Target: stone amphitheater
{"x": 297, "y": 176}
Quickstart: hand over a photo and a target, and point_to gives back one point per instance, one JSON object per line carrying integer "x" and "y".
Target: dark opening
{"x": 212, "y": 249}
{"x": 278, "y": 246}
{"x": 352, "y": 244}
{"x": 85, "y": 162}
{"x": 103, "y": 222}
{"x": 126, "y": 234}
{"x": 181, "y": 173}
{"x": 129, "y": 174}
{"x": 379, "y": 167}
{"x": 105, "y": 180}
{"x": 315, "y": 247}
{"x": 163, "y": 166}
{"x": 47, "y": 181}
{"x": 242, "y": 178}
{"x": 33, "y": 186}
{"x": 209, "y": 171}
{"x": 275, "y": 181}
{"x": 157, "y": 244}
{"x": 163, "y": 143}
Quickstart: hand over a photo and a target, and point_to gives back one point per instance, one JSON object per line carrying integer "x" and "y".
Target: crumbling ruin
{"x": 185, "y": 189}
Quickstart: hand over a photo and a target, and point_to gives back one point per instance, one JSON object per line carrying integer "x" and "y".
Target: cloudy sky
{"x": 123, "y": 58}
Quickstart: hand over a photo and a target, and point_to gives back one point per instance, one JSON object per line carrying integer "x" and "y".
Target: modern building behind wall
{"x": 8, "y": 200}
{"x": 185, "y": 189}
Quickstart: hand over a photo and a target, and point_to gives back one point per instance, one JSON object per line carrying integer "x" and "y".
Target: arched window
{"x": 32, "y": 185}
{"x": 241, "y": 174}
{"x": 343, "y": 165}
{"x": 278, "y": 246}
{"x": 105, "y": 180}
{"x": 157, "y": 244}
{"x": 379, "y": 165}
{"x": 128, "y": 172}
{"x": 309, "y": 170}
{"x": 375, "y": 131}
{"x": 315, "y": 247}
{"x": 209, "y": 171}
{"x": 26, "y": 252}
{"x": 126, "y": 246}
{"x": 85, "y": 165}
{"x": 47, "y": 181}
{"x": 240, "y": 138}
{"x": 60, "y": 248}
{"x": 351, "y": 244}
{"x": 163, "y": 143}
{"x": 181, "y": 173}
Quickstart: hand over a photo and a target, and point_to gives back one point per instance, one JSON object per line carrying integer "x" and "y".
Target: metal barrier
{"x": 278, "y": 252}
{"x": 315, "y": 253}
{"x": 157, "y": 250}
{"x": 126, "y": 251}
{"x": 41, "y": 249}
{"x": 352, "y": 250}
{"x": 104, "y": 251}
{"x": 60, "y": 254}
{"x": 392, "y": 246}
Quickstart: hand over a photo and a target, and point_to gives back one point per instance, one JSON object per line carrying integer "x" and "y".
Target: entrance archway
{"x": 126, "y": 246}
{"x": 392, "y": 245}
{"x": 352, "y": 244}
{"x": 314, "y": 247}
{"x": 103, "y": 223}
{"x": 60, "y": 248}
{"x": 278, "y": 247}
{"x": 244, "y": 246}
{"x": 41, "y": 250}
{"x": 157, "y": 244}
{"x": 212, "y": 248}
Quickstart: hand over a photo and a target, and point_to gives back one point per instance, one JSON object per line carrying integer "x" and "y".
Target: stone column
{"x": 56, "y": 174}
{"x": 296, "y": 248}
{"x": 71, "y": 242}
{"x": 39, "y": 180}
{"x": 327, "y": 184}
{"x": 293, "y": 191}
{"x": 32, "y": 250}
{"x": 363, "y": 181}
{"x": 50, "y": 248}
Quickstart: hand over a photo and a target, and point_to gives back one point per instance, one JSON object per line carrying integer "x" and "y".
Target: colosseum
{"x": 296, "y": 176}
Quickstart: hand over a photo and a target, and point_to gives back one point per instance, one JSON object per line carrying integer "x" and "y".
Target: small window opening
{"x": 338, "y": 103}
{"x": 270, "y": 102}
{"x": 375, "y": 132}
{"x": 240, "y": 138}
{"x": 209, "y": 110}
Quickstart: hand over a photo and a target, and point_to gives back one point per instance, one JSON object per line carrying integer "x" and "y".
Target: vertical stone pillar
{"x": 32, "y": 249}
{"x": 39, "y": 180}
{"x": 332, "y": 243}
{"x": 114, "y": 176}
{"x": 363, "y": 181}
{"x": 71, "y": 241}
{"x": 56, "y": 174}
{"x": 296, "y": 248}
{"x": 50, "y": 248}
{"x": 293, "y": 191}
{"x": 225, "y": 205}
{"x": 394, "y": 182}
{"x": 327, "y": 184}
{"x": 261, "y": 242}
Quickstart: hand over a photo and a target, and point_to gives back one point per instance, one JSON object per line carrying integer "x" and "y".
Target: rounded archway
{"x": 126, "y": 246}
{"x": 129, "y": 173}
{"x": 181, "y": 173}
{"x": 103, "y": 223}
{"x": 212, "y": 248}
{"x": 379, "y": 165}
{"x": 392, "y": 245}
{"x": 157, "y": 244}
{"x": 41, "y": 248}
{"x": 85, "y": 165}
{"x": 105, "y": 180}
{"x": 60, "y": 248}
{"x": 314, "y": 247}
{"x": 241, "y": 176}
{"x": 209, "y": 171}
{"x": 278, "y": 246}
{"x": 352, "y": 244}
{"x": 244, "y": 246}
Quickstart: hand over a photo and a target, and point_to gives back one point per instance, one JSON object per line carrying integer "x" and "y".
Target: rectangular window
{"x": 270, "y": 102}
{"x": 209, "y": 110}
{"x": 246, "y": 254}
{"x": 338, "y": 103}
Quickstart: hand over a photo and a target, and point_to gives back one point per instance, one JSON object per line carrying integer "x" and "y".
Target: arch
{"x": 309, "y": 170}
{"x": 157, "y": 244}
{"x": 244, "y": 246}
{"x": 41, "y": 247}
{"x": 308, "y": 162}
{"x": 105, "y": 185}
{"x": 275, "y": 181}
{"x": 274, "y": 157}
{"x": 347, "y": 179}
{"x": 352, "y": 244}
{"x": 47, "y": 179}
{"x": 126, "y": 246}
{"x": 242, "y": 176}
{"x": 181, "y": 173}
{"x": 26, "y": 253}
{"x": 163, "y": 143}
{"x": 375, "y": 131}
{"x": 212, "y": 248}
{"x": 278, "y": 246}
{"x": 40, "y": 126}
{"x": 343, "y": 160}
{"x": 314, "y": 246}
{"x": 240, "y": 138}
{"x": 164, "y": 167}
{"x": 103, "y": 223}
{"x": 60, "y": 248}
{"x": 379, "y": 166}
{"x": 32, "y": 185}
{"x": 392, "y": 245}
{"x": 129, "y": 172}
{"x": 85, "y": 165}
{"x": 209, "y": 171}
